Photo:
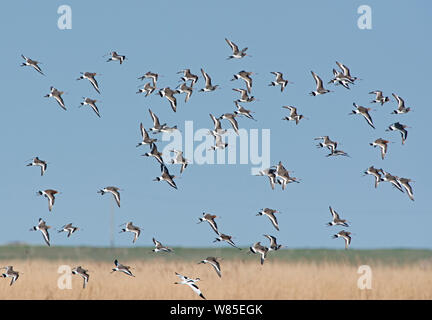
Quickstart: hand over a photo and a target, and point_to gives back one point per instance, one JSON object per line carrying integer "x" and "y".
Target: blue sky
{"x": 86, "y": 153}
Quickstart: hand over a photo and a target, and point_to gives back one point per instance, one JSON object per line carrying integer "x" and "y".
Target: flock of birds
{"x": 277, "y": 174}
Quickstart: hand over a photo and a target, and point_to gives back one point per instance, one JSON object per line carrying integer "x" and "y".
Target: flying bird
{"x": 340, "y": 79}
{"x": 83, "y": 273}
{"x": 169, "y": 94}
{"x": 166, "y": 176}
{"x": 157, "y": 127}
{"x": 345, "y": 235}
{"x": 116, "y": 57}
{"x": 208, "y": 84}
{"x": 214, "y": 263}
{"x": 145, "y": 137}
{"x": 327, "y": 142}
{"x": 243, "y": 111}
{"x": 184, "y": 88}
{"x": 392, "y": 179}
{"x": 114, "y": 191}
{"x": 226, "y": 238}
{"x": 90, "y": 76}
{"x": 231, "y": 118}
{"x": 337, "y": 152}
{"x": 364, "y": 112}
{"x": 319, "y": 86}
{"x": 131, "y": 228}
{"x": 92, "y": 104}
{"x": 379, "y": 97}
{"x": 219, "y": 143}
{"x": 284, "y": 176}
{"x": 382, "y": 144}
{"x": 57, "y": 95}
{"x": 43, "y": 228}
{"x": 293, "y": 116}
{"x": 69, "y": 228}
{"x": 190, "y": 283}
{"x": 188, "y": 76}
{"x": 148, "y": 89}
{"x": 38, "y": 162}
{"x": 10, "y": 273}
{"x": 154, "y": 153}
{"x": 274, "y": 246}
{"x": 159, "y": 247}
{"x": 246, "y": 76}
{"x": 270, "y": 214}
{"x": 262, "y": 250}
{"x": 401, "y": 128}
{"x": 31, "y": 63}
{"x": 336, "y": 220}
{"x": 122, "y": 268}
{"x": 279, "y": 81}
{"x": 404, "y": 182}
{"x": 244, "y": 97}
{"x": 150, "y": 75}
{"x": 236, "y": 53}
{"x": 271, "y": 174}
{"x": 401, "y": 109}
{"x": 50, "y": 195}
{"x": 179, "y": 159}
{"x": 217, "y": 125}
{"x": 374, "y": 172}
{"x": 169, "y": 129}
{"x": 210, "y": 219}
{"x": 346, "y": 72}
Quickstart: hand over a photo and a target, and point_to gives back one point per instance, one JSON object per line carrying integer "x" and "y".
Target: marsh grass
{"x": 241, "y": 279}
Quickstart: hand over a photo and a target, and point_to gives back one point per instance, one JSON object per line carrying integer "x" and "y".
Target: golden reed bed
{"x": 240, "y": 280}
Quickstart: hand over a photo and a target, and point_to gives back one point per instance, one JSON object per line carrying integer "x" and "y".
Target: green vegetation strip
{"x": 394, "y": 256}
